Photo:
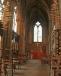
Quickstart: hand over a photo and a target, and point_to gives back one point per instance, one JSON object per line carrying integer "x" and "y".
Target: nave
{"x": 32, "y": 68}
{"x": 30, "y": 34}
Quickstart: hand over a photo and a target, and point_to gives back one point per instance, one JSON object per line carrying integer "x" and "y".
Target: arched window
{"x": 14, "y": 28}
{"x": 37, "y": 32}
{"x": 1, "y": 9}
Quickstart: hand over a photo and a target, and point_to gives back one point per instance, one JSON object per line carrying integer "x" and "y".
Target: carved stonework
{"x": 55, "y": 17}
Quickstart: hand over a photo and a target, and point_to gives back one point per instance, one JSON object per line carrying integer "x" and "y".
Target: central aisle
{"x": 33, "y": 68}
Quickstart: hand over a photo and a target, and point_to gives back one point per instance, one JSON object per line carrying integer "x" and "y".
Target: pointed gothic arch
{"x": 37, "y": 32}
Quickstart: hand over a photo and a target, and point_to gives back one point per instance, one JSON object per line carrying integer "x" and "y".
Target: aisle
{"x": 33, "y": 68}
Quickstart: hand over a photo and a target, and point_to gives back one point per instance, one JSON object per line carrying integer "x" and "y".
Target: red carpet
{"x": 38, "y": 55}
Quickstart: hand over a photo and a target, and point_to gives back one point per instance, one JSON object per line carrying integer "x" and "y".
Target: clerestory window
{"x": 14, "y": 28}
{"x": 1, "y": 9}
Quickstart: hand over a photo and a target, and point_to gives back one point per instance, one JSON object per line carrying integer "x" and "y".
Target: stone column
{"x": 55, "y": 17}
{"x": 7, "y": 24}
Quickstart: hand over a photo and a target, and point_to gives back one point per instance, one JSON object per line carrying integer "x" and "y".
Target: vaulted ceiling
{"x": 37, "y": 10}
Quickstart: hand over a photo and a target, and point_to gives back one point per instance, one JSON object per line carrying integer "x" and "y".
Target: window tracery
{"x": 37, "y": 32}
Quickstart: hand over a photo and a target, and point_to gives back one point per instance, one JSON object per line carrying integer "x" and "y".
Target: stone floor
{"x": 32, "y": 68}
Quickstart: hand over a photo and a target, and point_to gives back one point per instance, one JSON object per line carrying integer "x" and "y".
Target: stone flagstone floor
{"x": 32, "y": 68}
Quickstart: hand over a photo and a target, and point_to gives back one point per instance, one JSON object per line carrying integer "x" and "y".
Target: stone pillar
{"x": 21, "y": 28}
{"x": 7, "y": 24}
{"x": 55, "y": 35}
{"x": 59, "y": 6}
{"x": 55, "y": 17}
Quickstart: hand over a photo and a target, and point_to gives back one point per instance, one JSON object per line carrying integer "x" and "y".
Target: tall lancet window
{"x": 14, "y": 28}
{"x": 1, "y": 9}
{"x": 38, "y": 32}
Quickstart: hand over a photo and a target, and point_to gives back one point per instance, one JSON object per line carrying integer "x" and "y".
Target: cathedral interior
{"x": 30, "y": 37}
